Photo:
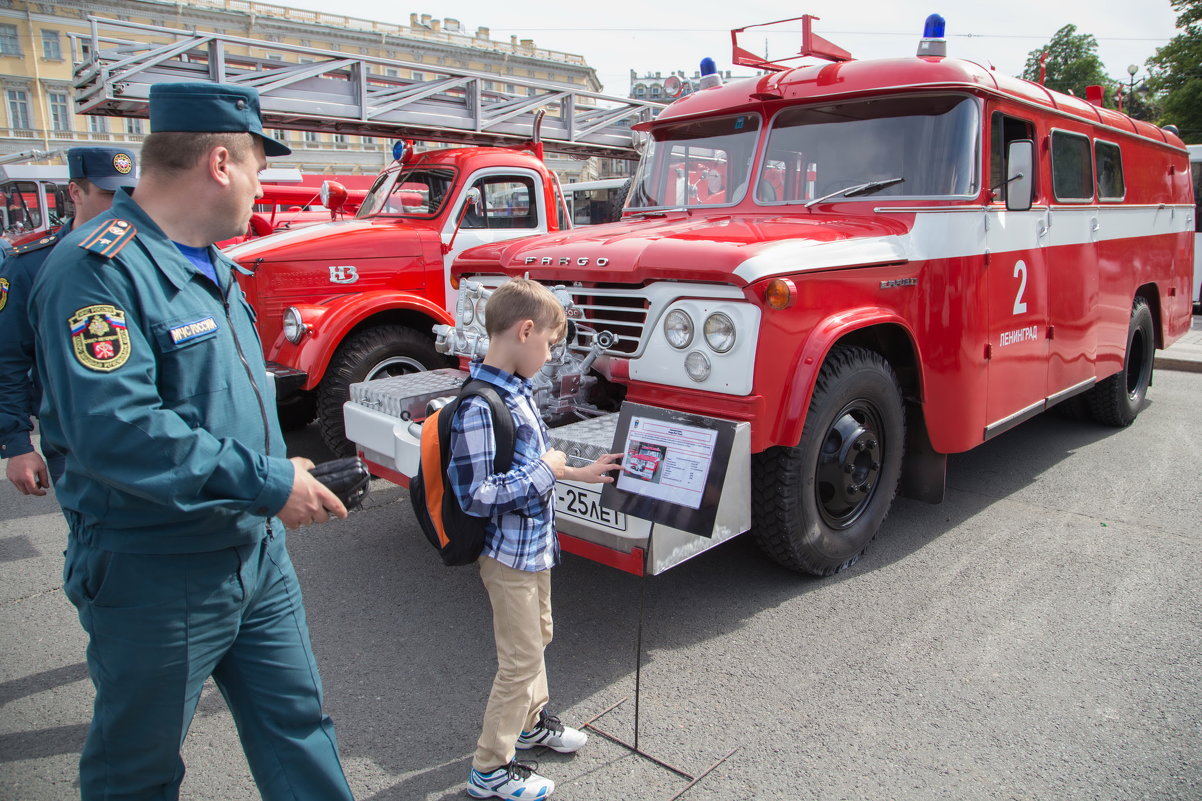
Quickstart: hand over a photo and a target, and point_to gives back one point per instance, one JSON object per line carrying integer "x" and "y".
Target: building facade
{"x": 40, "y": 43}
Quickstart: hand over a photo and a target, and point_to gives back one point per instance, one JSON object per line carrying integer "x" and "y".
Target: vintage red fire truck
{"x": 889, "y": 261}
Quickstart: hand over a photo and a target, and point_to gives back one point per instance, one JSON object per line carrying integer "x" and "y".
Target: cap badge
{"x": 122, "y": 163}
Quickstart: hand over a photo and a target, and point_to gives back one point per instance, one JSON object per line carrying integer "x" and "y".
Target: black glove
{"x": 347, "y": 478}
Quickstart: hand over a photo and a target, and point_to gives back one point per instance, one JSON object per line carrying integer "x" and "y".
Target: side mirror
{"x": 1020, "y": 175}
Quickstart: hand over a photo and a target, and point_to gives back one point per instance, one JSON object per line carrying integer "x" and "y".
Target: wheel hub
{"x": 849, "y": 465}
{"x": 397, "y": 365}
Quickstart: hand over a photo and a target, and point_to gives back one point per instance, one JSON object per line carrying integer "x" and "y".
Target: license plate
{"x": 585, "y": 505}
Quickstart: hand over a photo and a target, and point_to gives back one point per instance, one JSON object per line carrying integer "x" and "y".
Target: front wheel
{"x": 1117, "y": 400}
{"x": 817, "y": 506}
{"x": 380, "y": 352}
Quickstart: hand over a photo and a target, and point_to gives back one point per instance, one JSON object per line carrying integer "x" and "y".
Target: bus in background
{"x": 1195, "y": 166}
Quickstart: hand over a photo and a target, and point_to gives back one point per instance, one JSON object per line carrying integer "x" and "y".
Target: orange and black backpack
{"x": 457, "y": 536}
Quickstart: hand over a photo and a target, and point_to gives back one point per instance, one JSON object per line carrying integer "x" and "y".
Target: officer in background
{"x": 177, "y": 488}
{"x": 95, "y": 174}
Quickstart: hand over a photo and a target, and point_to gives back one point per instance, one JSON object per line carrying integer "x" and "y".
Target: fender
{"x": 330, "y": 322}
{"x": 823, "y": 337}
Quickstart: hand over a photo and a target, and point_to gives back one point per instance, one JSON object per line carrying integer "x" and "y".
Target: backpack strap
{"x": 502, "y": 421}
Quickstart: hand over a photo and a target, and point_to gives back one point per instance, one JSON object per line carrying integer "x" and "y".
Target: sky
{"x": 617, "y": 36}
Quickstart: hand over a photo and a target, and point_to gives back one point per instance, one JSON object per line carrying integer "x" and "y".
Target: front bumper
{"x": 381, "y": 420}
{"x": 288, "y": 380}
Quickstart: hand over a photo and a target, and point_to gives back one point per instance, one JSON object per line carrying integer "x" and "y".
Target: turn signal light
{"x": 781, "y": 293}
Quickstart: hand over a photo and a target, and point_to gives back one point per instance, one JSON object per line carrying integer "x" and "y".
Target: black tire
{"x": 297, "y": 411}
{"x": 380, "y": 352}
{"x": 1117, "y": 400}
{"x": 808, "y": 513}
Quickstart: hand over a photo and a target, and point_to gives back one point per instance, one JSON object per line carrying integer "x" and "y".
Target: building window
{"x": 312, "y": 137}
{"x": 275, "y": 57}
{"x": 419, "y": 76}
{"x": 368, "y": 140}
{"x": 60, "y": 111}
{"x": 391, "y": 72}
{"x": 280, "y": 134}
{"x": 339, "y": 139}
{"x": 135, "y": 125}
{"x": 18, "y": 108}
{"x": 10, "y": 44}
{"x": 98, "y": 124}
{"x": 52, "y": 49}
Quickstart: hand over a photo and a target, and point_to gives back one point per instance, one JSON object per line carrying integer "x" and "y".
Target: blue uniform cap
{"x": 210, "y": 108}
{"x": 110, "y": 168}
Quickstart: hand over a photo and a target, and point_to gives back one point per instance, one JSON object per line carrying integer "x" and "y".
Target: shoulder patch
{"x": 99, "y": 337}
{"x": 3, "y": 292}
{"x": 29, "y": 247}
{"x": 108, "y": 238}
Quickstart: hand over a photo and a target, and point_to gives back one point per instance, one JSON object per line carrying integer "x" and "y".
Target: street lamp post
{"x": 1131, "y": 70}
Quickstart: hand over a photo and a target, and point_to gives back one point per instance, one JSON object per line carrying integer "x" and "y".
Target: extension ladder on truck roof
{"x": 347, "y": 94}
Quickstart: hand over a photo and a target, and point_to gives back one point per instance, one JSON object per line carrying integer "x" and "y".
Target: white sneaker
{"x": 514, "y": 782}
{"x": 551, "y": 733}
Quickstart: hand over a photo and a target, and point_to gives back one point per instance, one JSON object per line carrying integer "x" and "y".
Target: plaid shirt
{"x": 520, "y": 503}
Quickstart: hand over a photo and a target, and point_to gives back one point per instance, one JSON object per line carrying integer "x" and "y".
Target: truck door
{"x": 1075, "y": 236}
{"x": 508, "y": 205}
{"x": 1016, "y": 284}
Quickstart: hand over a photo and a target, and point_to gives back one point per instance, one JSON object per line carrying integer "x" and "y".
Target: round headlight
{"x": 678, "y": 328}
{"x": 720, "y": 332}
{"x": 469, "y": 310}
{"x": 294, "y": 326}
{"x": 480, "y": 304}
{"x": 697, "y": 366}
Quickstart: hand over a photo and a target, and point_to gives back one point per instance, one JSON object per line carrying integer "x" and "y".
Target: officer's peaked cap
{"x": 108, "y": 167}
{"x": 210, "y": 108}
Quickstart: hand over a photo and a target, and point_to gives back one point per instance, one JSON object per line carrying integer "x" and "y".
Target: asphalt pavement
{"x": 1036, "y": 636}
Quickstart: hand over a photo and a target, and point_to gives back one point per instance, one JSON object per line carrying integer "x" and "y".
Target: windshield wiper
{"x": 858, "y": 189}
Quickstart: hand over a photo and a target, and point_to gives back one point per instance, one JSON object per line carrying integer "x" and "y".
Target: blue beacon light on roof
{"x": 933, "y": 42}
{"x": 709, "y": 74}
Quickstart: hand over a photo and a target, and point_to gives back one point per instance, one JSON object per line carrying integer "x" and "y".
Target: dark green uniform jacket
{"x": 155, "y": 386}
{"x": 19, "y": 390}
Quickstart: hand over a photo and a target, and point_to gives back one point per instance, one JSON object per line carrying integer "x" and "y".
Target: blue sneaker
{"x": 551, "y": 733}
{"x": 514, "y": 782}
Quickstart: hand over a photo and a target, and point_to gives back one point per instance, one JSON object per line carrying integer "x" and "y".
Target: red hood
{"x": 707, "y": 248}
{"x": 336, "y": 242}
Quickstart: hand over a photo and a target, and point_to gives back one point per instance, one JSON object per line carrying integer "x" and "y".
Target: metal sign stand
{"x": 638, "y": 671}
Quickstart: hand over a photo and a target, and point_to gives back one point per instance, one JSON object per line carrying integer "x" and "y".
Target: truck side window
{"x": 1072, "y": 168}
{"x": 507, "y": 202}
{"x": 1003, "y": 130}
{"x": 1108, "y": 159}
{"x": 1196, "y": 173}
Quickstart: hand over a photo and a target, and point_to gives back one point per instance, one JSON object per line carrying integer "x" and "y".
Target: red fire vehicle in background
{"x": 885, "y": 262}
{"x": 356, "y": 299}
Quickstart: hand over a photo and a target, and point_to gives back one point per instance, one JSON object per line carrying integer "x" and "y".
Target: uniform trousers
{"x": 159, "y": 625}
{"x": 522, "y": 627}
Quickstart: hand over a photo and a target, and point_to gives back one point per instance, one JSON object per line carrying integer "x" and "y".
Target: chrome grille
{"x": 617, "y": 311}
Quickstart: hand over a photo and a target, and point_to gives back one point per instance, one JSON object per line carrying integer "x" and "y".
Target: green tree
{"x": 1072, "y": 63}
{"x": 1175, "y": 73}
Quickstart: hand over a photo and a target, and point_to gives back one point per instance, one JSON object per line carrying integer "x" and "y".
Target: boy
{"x": 520, "y": 546}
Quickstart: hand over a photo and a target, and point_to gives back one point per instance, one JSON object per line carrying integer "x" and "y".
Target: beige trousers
{"x": 522, "y": 628}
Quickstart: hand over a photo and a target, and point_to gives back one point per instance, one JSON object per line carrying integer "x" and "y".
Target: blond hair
{"x": 521, "y": 299}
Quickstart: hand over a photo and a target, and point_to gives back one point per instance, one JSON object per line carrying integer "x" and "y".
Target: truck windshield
{"x": 929, "y": 142}
{"x": 696, "y": 163}
{"x": 416, "y": 192}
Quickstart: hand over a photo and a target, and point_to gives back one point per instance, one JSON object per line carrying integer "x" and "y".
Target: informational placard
{"x": 673, "y": 466}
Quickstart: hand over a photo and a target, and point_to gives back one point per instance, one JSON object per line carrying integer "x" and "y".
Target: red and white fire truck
{"x": 888, "y": 261}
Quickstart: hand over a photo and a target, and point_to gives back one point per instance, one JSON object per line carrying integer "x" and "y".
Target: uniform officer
{"x": 95, "y": 174}
{"x": 177, "y": 489}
